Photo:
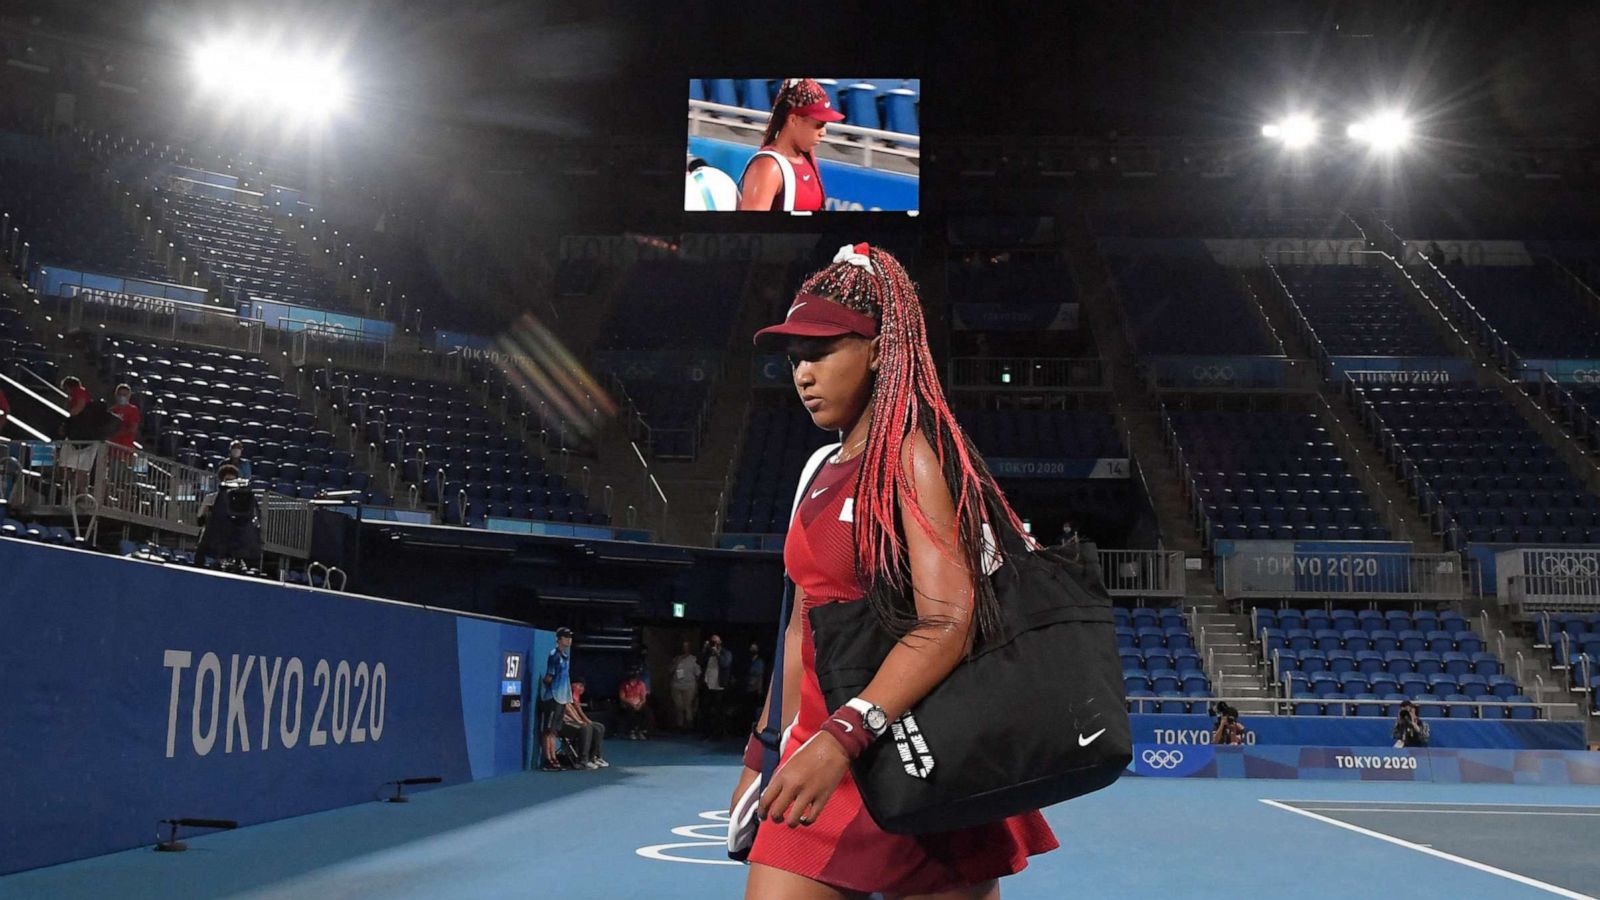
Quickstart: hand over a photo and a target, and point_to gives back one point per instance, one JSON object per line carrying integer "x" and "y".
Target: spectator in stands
{"x": 237, "y": 460}
{"x": 77, "y": 460}
{"x": 633, "y": 697}
{"x": 233, "y": 531}
{"x": 755, "y": 685}
{"x": 555, "y": 692}
{"x": 122, "y": 407}
{"x": 1409, "y": 729}
{"x": 77, "y": 395}
{"x": 1228, "y": 731}
{"x": 783, "y": 175}
{"x": 5, "y": 410}
{"x": 716, "y": 671}
{"x": 586, "y": 734}
{"x": 1068, "y": 535}
{"x": 685, "y": 684}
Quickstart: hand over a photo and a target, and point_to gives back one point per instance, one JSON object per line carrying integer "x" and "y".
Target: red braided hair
{"x": 906, "y": 399}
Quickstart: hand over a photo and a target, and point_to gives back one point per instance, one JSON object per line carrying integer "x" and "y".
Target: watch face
{"x": 877, "y": 720}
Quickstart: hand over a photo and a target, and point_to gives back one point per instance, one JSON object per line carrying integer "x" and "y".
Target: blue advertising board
{"x": 1316, "y": 565}
{"x": 1015, "y": 316}
{"x": 137, "y": 692}
{"x": 848, "y": 187}
{"x": 56, "y": 281}
{"x": 1573, "y": 371}
{"x": 1259, "y": 372}
{"x": 1358, "y": 763}
{"x": 1360, "y": 731}
{"x": 291, "y": 317}
{"x": 1012, "y": 467}
{"x": 1401, "y": 369}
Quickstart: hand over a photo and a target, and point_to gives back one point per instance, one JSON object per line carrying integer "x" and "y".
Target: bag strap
{"x": 772, "y": 729}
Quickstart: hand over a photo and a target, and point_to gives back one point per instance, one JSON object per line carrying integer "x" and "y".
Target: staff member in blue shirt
{"x": 555, "y": 692}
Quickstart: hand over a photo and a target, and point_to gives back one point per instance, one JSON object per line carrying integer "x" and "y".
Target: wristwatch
{"x": 873, "y": 717}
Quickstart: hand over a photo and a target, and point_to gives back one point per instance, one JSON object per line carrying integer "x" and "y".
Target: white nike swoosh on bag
{"x": 792, "y": 309}
{"x": 845, "y": 725}
{"x": 817, "y": 493}
{"x": 1086, "y": 741}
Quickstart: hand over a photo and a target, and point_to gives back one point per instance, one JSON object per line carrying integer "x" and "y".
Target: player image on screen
{"x": 802, "y": 146}
{"x": 783, "y": 175}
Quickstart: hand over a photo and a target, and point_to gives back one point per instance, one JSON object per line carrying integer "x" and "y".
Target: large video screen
{"x": 803, "y": 146}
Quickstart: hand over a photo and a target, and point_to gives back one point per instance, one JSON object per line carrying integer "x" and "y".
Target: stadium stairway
{"x": 1223, "y": 633}
{"x": 1377, "y": 478}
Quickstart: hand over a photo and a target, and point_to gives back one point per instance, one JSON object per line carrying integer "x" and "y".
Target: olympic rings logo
{"x": 1162, "y": 759}
{"x": 1569, "y": 566}
{"x": 1212, "y": 374}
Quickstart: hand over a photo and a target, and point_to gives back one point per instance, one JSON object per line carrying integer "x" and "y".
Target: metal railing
{"x": 1026, "y": 373}
{"x": 91, "y": 482}
{"x": 850, "y": 139}
{"x": 317, "y": 343}
{"x": 1142, "y": 573}
{"x": 286, "y": 525}
{"x": 1284, "y": 706}
{"x": 1354, "y": 576}
{"x": 101, "y": 480}
{"x": 97, "y": 312}
{"x": 1549, "y": 580}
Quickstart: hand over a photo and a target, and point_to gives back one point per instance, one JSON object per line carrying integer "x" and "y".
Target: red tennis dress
{"x": 844, "y": 847}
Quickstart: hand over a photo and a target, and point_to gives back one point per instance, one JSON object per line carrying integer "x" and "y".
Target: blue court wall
{"x": 135, "y": 692}
{"x": 1442, "y": 765}
{"x": 848, "y": 187}
{"x": 1520, "y": 734}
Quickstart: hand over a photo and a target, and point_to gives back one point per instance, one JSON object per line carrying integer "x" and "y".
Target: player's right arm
{"x": 762, "y": 182}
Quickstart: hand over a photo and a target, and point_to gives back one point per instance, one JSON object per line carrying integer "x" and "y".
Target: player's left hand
{"x": 803, "y": 784}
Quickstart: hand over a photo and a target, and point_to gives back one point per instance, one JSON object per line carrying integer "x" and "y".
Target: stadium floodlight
{"x": 1294, "y": 132}
{"x": 1384, "y": 132}
{"x": 242, "y": 73}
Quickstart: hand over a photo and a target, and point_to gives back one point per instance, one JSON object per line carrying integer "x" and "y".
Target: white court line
{"x": 1422, "y": 804}
{"x": 1441, "y": 812}
{"x": 1470, "y": 863}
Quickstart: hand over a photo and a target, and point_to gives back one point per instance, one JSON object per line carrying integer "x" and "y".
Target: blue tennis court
{"x": 652, "y": 826}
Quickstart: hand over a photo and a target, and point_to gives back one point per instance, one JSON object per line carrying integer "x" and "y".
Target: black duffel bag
{"x": 1034, "y": 716}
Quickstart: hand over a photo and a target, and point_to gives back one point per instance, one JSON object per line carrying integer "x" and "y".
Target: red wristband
{"x": 754, "y": 754}
{"x": 849, "y": 729}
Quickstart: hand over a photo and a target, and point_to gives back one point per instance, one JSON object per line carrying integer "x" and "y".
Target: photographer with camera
{"x": 1228, "y": 731}
{"x": 716, "y": 668}
{"x": 1409, "y": 729}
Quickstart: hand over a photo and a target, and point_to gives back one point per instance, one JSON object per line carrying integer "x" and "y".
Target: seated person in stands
{"x": 237, "y": 460}
{"x": 586, "y": 734}
{"x": 1409, "y": 729}
{"x": 632, "y": 698}
{"x": 230, "y": 522}
{"x": 122, "y": 407}
{"x": 1228, "y": 731}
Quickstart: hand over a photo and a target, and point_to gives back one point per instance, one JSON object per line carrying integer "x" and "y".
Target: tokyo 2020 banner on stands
{"x": 135, "y": 692}
{"x": 1357, "y": 763}
{"x": 1195, "y": 730}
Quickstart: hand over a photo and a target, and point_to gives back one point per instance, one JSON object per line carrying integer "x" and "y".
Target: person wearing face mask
{"x": 122, "y": 407}
{"x": 237, "y": 460}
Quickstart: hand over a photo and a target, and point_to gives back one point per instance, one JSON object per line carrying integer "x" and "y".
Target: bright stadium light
{"x": 1293, "y": 132}
{"x": 241, "y": 73}
{"x": 1384, "y": 132}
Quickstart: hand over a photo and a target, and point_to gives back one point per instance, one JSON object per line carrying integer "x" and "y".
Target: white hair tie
{"x": 855, "y": 255}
